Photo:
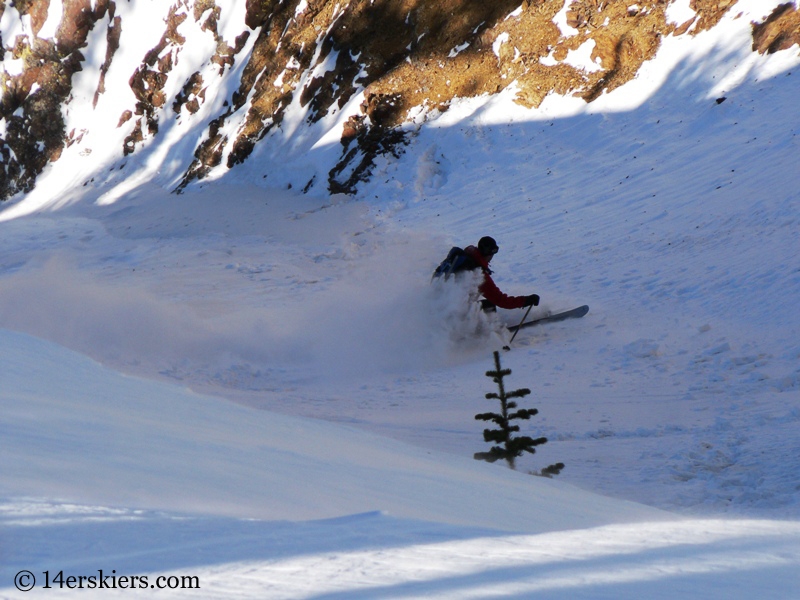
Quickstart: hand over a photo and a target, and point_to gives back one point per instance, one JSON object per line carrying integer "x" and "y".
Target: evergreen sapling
{"x": 509, "y": 447}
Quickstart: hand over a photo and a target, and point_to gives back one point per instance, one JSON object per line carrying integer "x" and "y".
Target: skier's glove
{"x": 532, "y": 299}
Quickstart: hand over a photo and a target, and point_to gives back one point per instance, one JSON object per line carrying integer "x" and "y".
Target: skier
{"x": 471, "y": 258}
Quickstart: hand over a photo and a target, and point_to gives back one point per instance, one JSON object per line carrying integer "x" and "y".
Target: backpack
{"x": 457, "y": 260}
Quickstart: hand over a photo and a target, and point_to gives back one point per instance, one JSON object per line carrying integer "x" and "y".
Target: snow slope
{"x": 90, "y": 434}
{"x": 73, "y": 429}
{"x": 324, "y": 450}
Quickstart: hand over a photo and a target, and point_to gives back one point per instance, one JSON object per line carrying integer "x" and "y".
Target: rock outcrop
{"x": 395, "y": 58}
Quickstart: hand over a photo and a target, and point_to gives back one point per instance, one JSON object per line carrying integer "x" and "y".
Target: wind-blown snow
{"x": 295, "y": 417}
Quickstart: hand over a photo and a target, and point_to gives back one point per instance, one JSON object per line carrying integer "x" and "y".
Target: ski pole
{"x": 520, "y": 323}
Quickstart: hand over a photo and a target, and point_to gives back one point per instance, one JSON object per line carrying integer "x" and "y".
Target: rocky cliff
{"x": 222, "y": 77}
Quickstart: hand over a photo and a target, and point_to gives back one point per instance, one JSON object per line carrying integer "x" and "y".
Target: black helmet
{"x": 487, "y": 246}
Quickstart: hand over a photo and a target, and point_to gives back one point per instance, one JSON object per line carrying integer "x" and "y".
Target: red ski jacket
{"x": 488, "y": 288}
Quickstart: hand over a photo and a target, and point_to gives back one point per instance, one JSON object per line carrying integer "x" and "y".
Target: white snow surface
{"x": 262, "y": 389}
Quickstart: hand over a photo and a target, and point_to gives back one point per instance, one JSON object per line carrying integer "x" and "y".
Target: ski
{"x": 575, "y": 313}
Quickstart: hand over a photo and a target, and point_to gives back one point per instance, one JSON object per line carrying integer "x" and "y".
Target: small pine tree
{"x": 509, "y": 447}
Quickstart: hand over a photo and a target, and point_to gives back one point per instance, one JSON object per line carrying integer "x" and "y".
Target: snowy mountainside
{"x": 106, "y": 94}
{"x": 110, "y": 475}
{"x": 669, "y": 204}
{"x": 261, "y": 387}
{"x": 136, "y": 434}
{"x": 669, "y": 210}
